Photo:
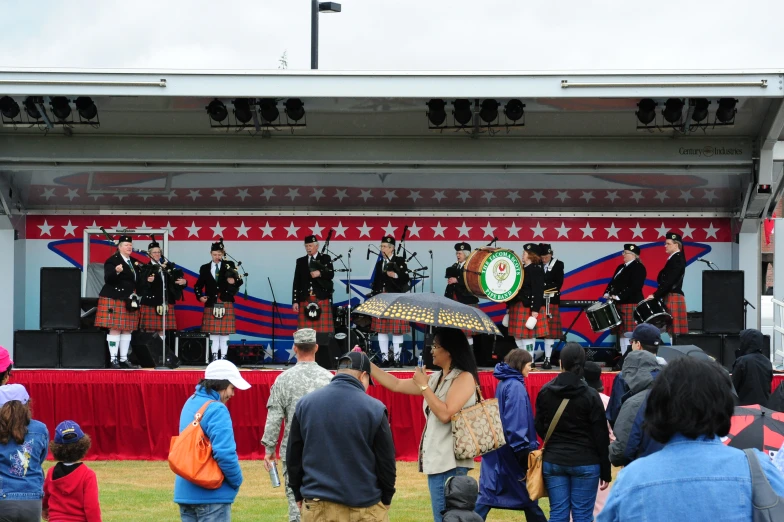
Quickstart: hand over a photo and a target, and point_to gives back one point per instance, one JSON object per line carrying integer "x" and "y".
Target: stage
{"x": 132, "y": 414}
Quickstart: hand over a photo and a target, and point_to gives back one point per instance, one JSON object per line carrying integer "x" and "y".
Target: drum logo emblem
{"x": 501, "y": 272}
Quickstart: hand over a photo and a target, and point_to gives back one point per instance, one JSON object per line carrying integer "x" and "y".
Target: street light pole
{"x": 317, "y": 7}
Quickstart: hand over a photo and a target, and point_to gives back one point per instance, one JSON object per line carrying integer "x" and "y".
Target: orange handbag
{"x": 190, "y": 455}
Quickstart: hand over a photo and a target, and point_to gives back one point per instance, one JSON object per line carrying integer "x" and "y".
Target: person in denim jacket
{"x": 24, "y": 444}
{"x": 694, "y": 476}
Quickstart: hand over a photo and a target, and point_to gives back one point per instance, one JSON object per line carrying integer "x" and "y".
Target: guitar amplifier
{"x": 192, "y": 348}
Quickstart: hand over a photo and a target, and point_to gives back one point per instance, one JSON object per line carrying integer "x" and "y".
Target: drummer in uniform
{"x": 390, "y": 276}
{"x": 312, "y": 289}
{"x": 553, "y": 281}
{"x": 670, "y": 281}
{"x": 527, "y": 321}
{"x": 625, "y": 290}
{"x": 455, "y": 284}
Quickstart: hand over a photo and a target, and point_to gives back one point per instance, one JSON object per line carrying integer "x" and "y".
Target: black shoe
{"x": 398, "y": 364}
{"x": 114, "y": 365}
{"x": 546, "y": 364}
{"x": 384, "y": 363}
{"x": 128, "y": 366}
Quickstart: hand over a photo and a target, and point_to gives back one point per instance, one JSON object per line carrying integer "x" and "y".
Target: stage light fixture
{"x": 726, "y": 111}
{"x": 30, "y": 107}
{"x": 8, "y": 107}
{"x": 242, "y": 110}
{"x": 61, "y": 107}
{"x": 673, "y": 110}
{"x": 269, "y": 110}
{"x": 86, "y": 107}
{"x": 646, "y": 111}
{"x": 436, "y": 111}
{"x": 295, "y": 109}
{"x": 488, "y": 111}
{"x": 700, "y": 111}
{"x": 462, "y": 111}
{"x": 217, "y": 110}
{"x": 514, "y": 109}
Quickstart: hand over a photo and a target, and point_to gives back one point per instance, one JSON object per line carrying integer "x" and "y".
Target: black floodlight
{"x": 242, "y": 110}
{"x": 329, "y": 7}
{"x": 646, "y": 111}
{"x": 726, "y": 111}
{"x": 61, "y": 107}
{"x": 217, "y": 110}
{"x": 269, "y": 109}
{"x": 436, "y": 111}
{"x": 295, "y": 109}
{"x": 673, "y": 110}
{"x": 514, "y": 109}
{"x": 488, "y": 111}
{"x": 86, "y": 107}
{"x": 700, "y": 111}
{"x": 462, "y": 111}
{"x": 8, "y": 107}
{"x": 31, "y": 107}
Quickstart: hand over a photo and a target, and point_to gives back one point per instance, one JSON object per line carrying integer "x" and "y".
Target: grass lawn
{"x": 141, "y": 491}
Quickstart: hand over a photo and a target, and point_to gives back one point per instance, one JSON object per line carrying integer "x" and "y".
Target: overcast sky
{"x": 395, "y": 34}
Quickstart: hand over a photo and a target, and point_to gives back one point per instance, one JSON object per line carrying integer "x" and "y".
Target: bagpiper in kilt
{"x": 456, "y": 288}
{"x": 215, "y": 288}
{"x": 529, "y": 300}
{"x": 553, "y": 282}
{"x": 313, "y": 275}
{"x": 670, "y": 281}
{"x": 118, "y": 304}
{"x": 625, "y": 289}
{"x": 390, "y": 276}
{"x": 152, "y": 300}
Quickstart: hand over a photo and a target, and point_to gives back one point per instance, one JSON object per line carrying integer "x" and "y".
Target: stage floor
{"x": 132, "y": 414}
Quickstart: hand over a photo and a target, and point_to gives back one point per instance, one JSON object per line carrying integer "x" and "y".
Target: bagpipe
{"x": 170, "y": 271}
{"x": 326, "y": 284}
{"x": 231, "y": 269}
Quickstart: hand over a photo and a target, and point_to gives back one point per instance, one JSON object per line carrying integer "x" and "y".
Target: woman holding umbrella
{"x": 445, "y": 393}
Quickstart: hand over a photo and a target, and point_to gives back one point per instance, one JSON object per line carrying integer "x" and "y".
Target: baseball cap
{"x": 646, "y": 334}
{"x": 305, "y": 336}
{"x": 67, "y": 432}
{"x": 355, "y": 361}
{"x": 223, "y": 370}
{"x": 5, "y": 359}
{"x": 13, "y": 392}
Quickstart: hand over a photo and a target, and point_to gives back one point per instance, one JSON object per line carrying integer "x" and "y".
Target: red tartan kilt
{"x": 626, "y": 311}
{"x": 152, "y": 322}
{"x": 113, "y": 314}
{"x": 325, "y": 322}
{"x": 223, "y": 326}
{"x": 518, "y": 315}
{"x": 390, "y": 326}
{"x": 676, "y": 305}
{"x": 554, "y": 327}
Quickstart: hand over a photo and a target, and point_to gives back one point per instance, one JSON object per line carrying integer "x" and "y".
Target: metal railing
{"x": 777, "y": 353}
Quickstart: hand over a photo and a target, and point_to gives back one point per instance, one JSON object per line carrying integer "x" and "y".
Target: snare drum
{"x": 652, "y": 312}
{"x": 603, "y": 316}
{"x": 493, "y": 273}
{"x": 357, "y": 339}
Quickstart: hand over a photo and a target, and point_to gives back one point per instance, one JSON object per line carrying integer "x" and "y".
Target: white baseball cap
{"x": 222, "y": 369}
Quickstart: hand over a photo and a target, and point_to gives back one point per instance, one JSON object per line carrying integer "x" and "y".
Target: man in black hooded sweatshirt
{"x": 752, "y": 372}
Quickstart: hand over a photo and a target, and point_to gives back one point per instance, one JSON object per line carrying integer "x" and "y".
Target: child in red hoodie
{"x": 70, "y": 488}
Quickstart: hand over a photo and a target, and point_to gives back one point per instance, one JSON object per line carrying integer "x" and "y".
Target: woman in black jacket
{"x": 576, "y": 459}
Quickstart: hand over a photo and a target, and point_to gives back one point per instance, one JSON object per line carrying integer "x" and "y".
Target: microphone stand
{"x": 746, "y": 304}
{"x": 163, "y": 365}
{"x": 275, "y": 313}
{"x": 347, "y": 270}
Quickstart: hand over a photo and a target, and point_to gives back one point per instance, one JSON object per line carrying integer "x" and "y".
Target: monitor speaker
{"x": 36, "y": 349}
{"x": 60, "y": 298}
{"x": 328, "y": 350}
{"x": 191, "y": 348}
{"x": 146, "y": 350}
{"x": 83, "y": 349}
{"x": 722, "y": 301}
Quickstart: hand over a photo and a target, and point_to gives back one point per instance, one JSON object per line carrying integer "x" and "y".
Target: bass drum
{"x": 652, "y": 312}
{"x": 493, "y": 273}
{"x": 603, "y": 316}
{"x": 357, "y": 339}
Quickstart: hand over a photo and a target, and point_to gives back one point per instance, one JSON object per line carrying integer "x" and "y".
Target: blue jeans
{"x": 205, "y": 512}
{"x": 571, "y": 489}
{"x": 532, "y": 514}
{"x": 435, "y": 484}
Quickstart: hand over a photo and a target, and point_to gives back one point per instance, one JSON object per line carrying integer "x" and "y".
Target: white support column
{"x": 749, "y": 259}
{"x": 7, "y": 304}
{"x": 778, "y": 279}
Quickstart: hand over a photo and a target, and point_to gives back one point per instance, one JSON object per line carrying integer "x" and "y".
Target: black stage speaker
{"x": 483, "y": 350}
{"x": 146, "y": 350}
{"x": 711, "y": 344}
{"x": 36, "y": 349}
{"x": 732, "y": 343}
{"x": 722, "y": 301}
{"x": 191, "y": 347}
{"x": 83, "y": 349}
{"x": 328, "y": 351}
{"x": 61, "y": 290}
{"x": 694, "y": 321}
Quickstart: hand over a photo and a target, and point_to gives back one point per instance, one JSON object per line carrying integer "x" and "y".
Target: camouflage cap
{"x": 305, "y": 336}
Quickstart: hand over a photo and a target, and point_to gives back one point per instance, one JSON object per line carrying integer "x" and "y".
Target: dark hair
{"x": 6, "y": 372}
{"x": 517, "y": 359}
{"x": 73, "y": 452}
{"x": 217, "y": 385}
{"x": 534, "y": 258}
{"x": 456, "y": 344}
{"x": 306, "y": 347}
{"x": 14, "y": 419}
{"x": 573, "y": 359}
{"x": 692, "y": 397}
{"x": 650, "y": 348}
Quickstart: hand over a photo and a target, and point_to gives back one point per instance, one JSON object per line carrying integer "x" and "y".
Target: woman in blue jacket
{"x": 198, "y": 504}
{"x": 502, "y": 478}
{"x": 24, "y": 444}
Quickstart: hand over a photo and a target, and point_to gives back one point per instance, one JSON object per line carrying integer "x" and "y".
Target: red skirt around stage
{"x": 518, "y": 315}
{"x": 325, "y": 322}
{"x": 113, "y": 314}
{"x": 226, "y": 325}
{"x": 676, "y": 305}
{"x": 152, "y": 322}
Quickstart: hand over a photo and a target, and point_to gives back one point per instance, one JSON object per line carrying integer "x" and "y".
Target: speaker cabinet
{"x": 191, "y": 348}
{"x": 328, "y": 351}
{"x": 711, "y": 344}
{"x": 36, "y": 349}
{"x": 732, "y": 344}
{"x": 83, "y": 349}
{"x": 146, "y": 348}
{"x": 722, "y": 301}
{"x": 60, "y": 298}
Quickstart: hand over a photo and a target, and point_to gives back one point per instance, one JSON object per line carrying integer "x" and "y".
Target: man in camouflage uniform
{"x": 289, "y": 387}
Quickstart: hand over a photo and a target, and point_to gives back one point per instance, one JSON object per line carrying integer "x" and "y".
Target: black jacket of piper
{"x": 670, "y": 279}
{"x": 122, "y": 285}
{"x": 383, "y": 283}
{"x": 322, "y": 285}
{"x": 554, "y": 278}
{"x": 531, "y": 293}
{"x": 458, "y": 291}
{"x": 628, "y": 284}
{"x": 207, "y": 286}
{"x": 153, "y": 293}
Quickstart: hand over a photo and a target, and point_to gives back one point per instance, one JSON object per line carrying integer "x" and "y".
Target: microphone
{"x": 430, "y": 252}
{"x": 350, "y": 250}
{"x": 403, "y": 238}
{"x": 339, "y": 257}
{"x": 326, "y": 243}
{"x": 412, "y": 257}
{"x": 495, "y": 238}
{"x": 704, "y": 261}
{"x": 368, "y": 254}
